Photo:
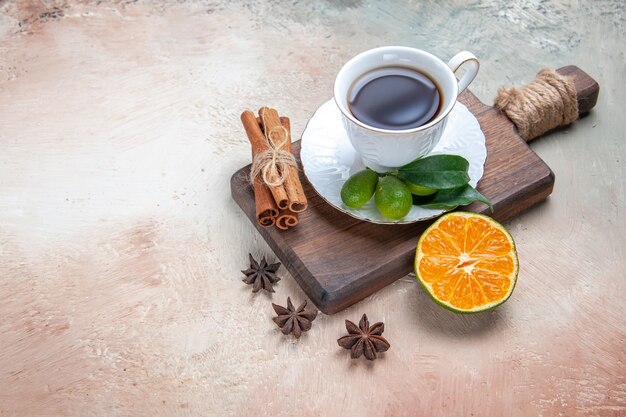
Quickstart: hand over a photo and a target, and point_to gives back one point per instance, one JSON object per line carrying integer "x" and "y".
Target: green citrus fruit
{"x": 359, "y": 188}
{"x": 393, "y": 197}
{"x": 467, "y": 262}
{"x": 419, "y": 190}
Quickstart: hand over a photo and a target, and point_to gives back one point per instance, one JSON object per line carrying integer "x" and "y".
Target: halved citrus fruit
{"x": 467, "y": 262}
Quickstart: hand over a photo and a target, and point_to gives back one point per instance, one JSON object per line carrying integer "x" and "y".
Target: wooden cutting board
{"x": 339, "y": 260}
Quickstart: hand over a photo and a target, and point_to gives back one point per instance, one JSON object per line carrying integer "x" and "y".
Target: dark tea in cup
{"x": 394, "y": 98}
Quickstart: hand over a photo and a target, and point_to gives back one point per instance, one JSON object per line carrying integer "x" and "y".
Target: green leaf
{"x": 437, "y": 171}
{"x": 445, "y": 199}
{"x": 420, "y": 200}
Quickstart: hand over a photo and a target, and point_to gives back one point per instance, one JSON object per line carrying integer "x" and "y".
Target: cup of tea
{"x": 395, "y": 102}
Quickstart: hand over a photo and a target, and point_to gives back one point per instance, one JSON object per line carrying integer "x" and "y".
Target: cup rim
{"x": 380, "y": 49}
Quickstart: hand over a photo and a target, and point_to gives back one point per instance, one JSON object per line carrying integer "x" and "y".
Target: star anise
{"x": 364, "y": 340}
{"x": 262, "y": 275}
{"x": 292, "y": 320}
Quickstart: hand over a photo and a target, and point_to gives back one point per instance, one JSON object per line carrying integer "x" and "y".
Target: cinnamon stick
{"x": 266, "y": 208}
{"x": 286, "y": 219}
{"x": 260, "y": 144}
{"x": 270, "y": 120}
{"x": 284, "y": 120}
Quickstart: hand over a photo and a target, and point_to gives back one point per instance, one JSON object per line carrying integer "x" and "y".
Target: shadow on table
{"x": 437, "y": 319}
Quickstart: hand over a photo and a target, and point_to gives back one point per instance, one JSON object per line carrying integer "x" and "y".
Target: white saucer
{"x": 329, "y": 159}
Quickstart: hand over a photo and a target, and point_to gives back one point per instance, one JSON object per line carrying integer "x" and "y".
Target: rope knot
{"x": 273, "y": 164}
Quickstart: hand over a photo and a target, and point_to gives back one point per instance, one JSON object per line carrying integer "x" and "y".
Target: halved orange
{"x": 467, "y": 262}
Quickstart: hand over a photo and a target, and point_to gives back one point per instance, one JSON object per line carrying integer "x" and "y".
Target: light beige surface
{"x": 120, "y": 247}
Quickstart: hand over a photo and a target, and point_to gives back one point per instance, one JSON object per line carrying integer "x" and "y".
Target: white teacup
{"x": 384, "y": 149}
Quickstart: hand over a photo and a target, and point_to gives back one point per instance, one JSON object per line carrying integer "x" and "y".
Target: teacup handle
{"x": 465, "y": 58}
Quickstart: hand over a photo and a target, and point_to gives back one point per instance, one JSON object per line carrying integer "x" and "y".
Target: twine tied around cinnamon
{"x": 273, "y": 164}
{"x": 549, "y": 101}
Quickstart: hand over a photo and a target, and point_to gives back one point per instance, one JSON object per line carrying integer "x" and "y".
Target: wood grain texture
{"x": 121, "y": 247}
{"x": 587, "y": 89}
{"x": 339, "y": 260}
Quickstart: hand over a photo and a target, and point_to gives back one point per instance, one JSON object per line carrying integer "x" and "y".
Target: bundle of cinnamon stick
{"x": 278, "y": 191}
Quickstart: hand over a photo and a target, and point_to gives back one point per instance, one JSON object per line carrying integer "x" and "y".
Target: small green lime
{"x": 393, "y": 197}
{"x": 359, "y": 188}
{"x": 419, "y": 190}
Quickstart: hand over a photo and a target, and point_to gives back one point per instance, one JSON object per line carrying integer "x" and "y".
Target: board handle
{"x": 587, "y": 89}
{"x": 554, "y": 98}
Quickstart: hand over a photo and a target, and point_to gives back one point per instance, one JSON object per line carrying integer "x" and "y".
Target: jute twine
{"x": 273, "y": 164}
{"x": 549, "y": 101}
